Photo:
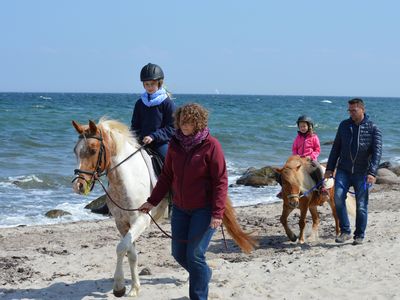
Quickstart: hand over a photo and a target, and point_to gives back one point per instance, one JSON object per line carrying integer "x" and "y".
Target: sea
{"x": 37, "y": 141}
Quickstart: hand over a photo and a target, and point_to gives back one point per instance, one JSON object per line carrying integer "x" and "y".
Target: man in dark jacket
{"x": 356, "y": 153}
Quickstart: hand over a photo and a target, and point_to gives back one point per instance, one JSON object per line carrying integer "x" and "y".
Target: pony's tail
{"x": 351, "y": 205}
{"x": 244, "y": 240}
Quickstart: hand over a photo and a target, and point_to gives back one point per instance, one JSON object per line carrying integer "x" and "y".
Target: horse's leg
{"x": 333, "y": 208}
{"x": 133, "y": 265}
{"x": 303, "y": 205}
{"x": 315, "y": 225}
{"x": 119, "y": 282}
{"x": 126, "y": 246}
{"x": 285, "y": 213}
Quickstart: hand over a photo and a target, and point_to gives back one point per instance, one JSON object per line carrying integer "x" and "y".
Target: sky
{"x": 330, "y": 48}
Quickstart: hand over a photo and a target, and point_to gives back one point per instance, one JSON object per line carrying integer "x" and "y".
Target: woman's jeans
{"x": 191, "y": 234}
{"x": 343, "y": 180}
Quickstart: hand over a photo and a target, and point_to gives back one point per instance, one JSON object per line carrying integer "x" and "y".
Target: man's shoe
{"x": 343, "y": 237}
{"x": 358, "y": 241}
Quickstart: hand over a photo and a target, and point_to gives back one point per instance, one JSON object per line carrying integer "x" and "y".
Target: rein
{"x": 313, "y": 188}
{"x": 98, "y": 173}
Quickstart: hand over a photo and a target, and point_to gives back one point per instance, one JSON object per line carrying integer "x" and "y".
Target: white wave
{"x": 396, "y": 160}
{"x": 247, "y": 195}
{"x": 25, "y": 178}
{"x": 45, "y": 98}
{"x": 78, "y": 213}
{"x": 6, "y": 184}
{"x": 326, "y": 101}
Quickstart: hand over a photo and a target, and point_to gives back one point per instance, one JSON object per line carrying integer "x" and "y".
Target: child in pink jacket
{"x": 306, "y": 144}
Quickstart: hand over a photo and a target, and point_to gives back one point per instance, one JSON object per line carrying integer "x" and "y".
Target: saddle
{"x": 156, "y": 160}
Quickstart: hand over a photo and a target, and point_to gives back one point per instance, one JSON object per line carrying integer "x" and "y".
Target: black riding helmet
{"x": 151, "y": 72}
{"x": 306, "y": 119}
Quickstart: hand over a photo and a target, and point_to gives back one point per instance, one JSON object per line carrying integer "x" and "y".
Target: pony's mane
{"x": 119, "y": 133}
{"x": 296, "y": 178}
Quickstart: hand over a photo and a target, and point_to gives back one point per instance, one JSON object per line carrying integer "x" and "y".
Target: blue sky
{"x": 348, "y": 48}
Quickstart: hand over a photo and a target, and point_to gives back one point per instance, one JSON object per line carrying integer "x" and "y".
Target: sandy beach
{"x": 77, "y": 260}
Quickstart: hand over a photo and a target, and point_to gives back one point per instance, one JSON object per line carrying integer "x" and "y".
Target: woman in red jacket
{"x": 195, "y": 169}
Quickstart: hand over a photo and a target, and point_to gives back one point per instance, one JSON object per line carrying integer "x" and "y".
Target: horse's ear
{"x": 78, "y": 127}
{"x": 92, "y": 127}
{"x": 278, "y": 170}
{"x": 298, "y": 167}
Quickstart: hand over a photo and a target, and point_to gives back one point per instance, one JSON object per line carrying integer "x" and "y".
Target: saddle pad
{"x": 149, "y": 164}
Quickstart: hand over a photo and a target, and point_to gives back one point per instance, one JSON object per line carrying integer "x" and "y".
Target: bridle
{"x": 97, "y": 173}
{"x": 298, "y": 195}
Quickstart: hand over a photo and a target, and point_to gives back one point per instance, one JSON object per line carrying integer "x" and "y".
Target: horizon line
{"x": 205, "y": 94}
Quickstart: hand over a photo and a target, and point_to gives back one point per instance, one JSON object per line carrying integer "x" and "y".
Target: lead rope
{"x": 367, "y": 185}
{"x": 154, "y": 221}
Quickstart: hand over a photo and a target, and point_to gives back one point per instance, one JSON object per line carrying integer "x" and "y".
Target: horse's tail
{"x": 244, "y": 240}
{"x": 351, "y": 205}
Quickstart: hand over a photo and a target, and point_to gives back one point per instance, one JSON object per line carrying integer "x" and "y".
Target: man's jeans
{"x": 343, "y": 181}
{"x": 191, "y": 234}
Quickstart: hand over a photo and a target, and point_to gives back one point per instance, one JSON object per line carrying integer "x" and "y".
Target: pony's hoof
{"x": 293, "y": 238}
{"x": 119, "y": 293}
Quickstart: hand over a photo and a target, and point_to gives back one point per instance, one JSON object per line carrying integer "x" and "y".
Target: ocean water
{"x": 37, "y": 140}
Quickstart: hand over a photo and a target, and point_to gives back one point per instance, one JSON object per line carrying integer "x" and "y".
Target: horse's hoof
{"x": 293, "y": 238}
{"x": 119, "y": 293}
{"x": 133, "y": 292}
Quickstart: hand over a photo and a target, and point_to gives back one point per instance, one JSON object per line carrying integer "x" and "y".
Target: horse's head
{"x": 92, "y": 156}
{"x": 292, "y": 175}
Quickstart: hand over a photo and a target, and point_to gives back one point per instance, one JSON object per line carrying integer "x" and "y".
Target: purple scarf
{"x": 189, "y": 141}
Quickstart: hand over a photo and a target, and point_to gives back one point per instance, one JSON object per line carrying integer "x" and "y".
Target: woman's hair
{"x": 192, "y": 113}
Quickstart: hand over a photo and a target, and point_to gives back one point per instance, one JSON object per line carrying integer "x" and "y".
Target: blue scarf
{"x": 154, "y": 99}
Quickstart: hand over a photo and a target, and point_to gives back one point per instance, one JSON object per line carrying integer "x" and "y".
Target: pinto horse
{"x": 108, "y": 148}
{"x": 298, "y": 191}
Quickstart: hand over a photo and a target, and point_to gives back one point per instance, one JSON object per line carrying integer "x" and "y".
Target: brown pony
{"x": 109, "y": 148}
{"x": 297, "y": 185}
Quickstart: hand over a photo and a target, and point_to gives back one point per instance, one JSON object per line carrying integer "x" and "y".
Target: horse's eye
{"x": 92, "y": 151}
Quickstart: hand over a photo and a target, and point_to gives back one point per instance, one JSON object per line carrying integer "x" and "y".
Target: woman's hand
{"x": 215, "y": 223}
{"x": 145, "y": 207}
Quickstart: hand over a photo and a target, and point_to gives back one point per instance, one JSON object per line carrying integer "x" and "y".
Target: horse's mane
{"x": 119, "y": 133}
